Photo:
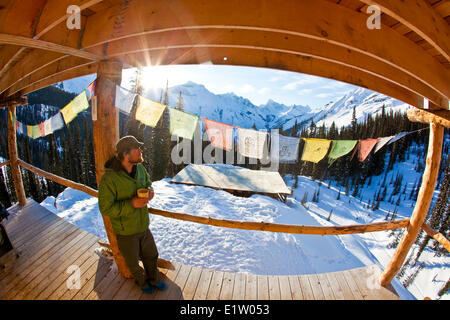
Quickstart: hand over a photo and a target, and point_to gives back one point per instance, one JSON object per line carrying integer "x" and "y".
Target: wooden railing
{"x": 4, "y": 163}
{"x": 257, "y": 226}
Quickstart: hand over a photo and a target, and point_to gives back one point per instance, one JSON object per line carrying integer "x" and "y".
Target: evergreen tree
{"x": 160, "y": 140}
{"x": 133, "y": 126}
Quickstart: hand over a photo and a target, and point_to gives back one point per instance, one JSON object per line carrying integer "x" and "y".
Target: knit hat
{"x": 127, "y": 143}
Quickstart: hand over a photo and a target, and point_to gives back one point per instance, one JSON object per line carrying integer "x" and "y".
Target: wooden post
{"x": 14, "y": 165}
{"x": 106, "y": 134}
{"x": 423, "y": 202}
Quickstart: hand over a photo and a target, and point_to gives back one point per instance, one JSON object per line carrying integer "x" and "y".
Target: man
{"x": 117, "y": 199}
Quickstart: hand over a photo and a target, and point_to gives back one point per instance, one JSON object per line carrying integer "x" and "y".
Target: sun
{"x": 154, "y": 77}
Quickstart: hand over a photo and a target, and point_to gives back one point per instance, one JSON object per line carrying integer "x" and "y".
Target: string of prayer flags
{"x": 124, "y": 99}
{"x": 315, "y": 149}
{"x": 340, "y": 148}
{"x": 251, "y": 143}
{"x": 182, "y": 124}
{"x": 287, "y": 147}
{"x": 398, "y": 136}
{"x": 363, "y": 148}
{"x": 381, "y": 143}
{"x": 219, "y": 134}
{"x": 149, "y": 112}
{"x": 74, "y": 107}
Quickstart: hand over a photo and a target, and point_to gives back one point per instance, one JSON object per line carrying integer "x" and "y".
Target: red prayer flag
{"x": 41, "y": 129}
{"x": 220, "y": 134}
{"x": 364, "y": 147}
{"x": 90, "y": 89}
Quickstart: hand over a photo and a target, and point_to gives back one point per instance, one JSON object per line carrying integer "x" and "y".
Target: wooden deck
{"x": 48, "y": 246}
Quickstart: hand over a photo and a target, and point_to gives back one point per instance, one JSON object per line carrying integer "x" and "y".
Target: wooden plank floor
{"x": 52, "y": 252}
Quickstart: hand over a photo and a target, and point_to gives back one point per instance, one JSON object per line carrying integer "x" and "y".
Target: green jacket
{"x": 115, "y": 192}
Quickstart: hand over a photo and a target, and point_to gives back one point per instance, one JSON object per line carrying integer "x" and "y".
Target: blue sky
{"x": 256, "y": 84}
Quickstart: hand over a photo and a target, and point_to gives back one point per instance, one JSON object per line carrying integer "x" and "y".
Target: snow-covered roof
{"x": 228, "y": 177}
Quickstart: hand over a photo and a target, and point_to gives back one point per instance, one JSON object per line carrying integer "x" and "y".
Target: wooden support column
{"x": 424, "y": 198}
{"x": 13, "y": 157}
{"x": 106, "y": 134}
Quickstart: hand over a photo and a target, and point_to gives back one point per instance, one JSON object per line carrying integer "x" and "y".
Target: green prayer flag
{"x": 340, "y": 148}
{"x": 182, "y": 124}
{"x": 35, "y": 132}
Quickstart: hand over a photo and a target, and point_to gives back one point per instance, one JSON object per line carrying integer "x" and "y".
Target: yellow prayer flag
{"x": 149, "y": 112}
{"x": 315, "y": 149}
{"x": 74, "y": 107}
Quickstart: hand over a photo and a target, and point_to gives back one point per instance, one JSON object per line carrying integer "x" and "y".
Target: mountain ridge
{"x": 236, "y": 110}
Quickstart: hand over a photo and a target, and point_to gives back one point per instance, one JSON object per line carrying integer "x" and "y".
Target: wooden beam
{"x": 15, "y": 100}
{"x": 267, "y": 41}
{"x": 441, "y": 117}
{"x": 284, "y": 228}
{"x": 106, "y": 134}
{"x": 63, "y": 181}
{"x": 43, "y": 16}
{"x": 439, "y": 237}
{"x": 319, "y": 19}
{"x": 60, "y": 76}
{"x": 4, "y": 163}
{"x": 13, "y": 157}
{"x": 275, "y": 60}
{"x": 48, "y": 46}
{"x": 51, "y": 70}
{"x": 422, "y": 204}
{"x": 421, "y": 18}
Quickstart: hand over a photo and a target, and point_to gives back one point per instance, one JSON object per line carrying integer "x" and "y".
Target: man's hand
{"x": 142, "y": 202}
{"x": 139, "y": 202}
{"x": 151, "y": 194}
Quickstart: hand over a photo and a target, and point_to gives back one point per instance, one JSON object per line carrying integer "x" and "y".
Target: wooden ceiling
{"x": 408, "y": 58}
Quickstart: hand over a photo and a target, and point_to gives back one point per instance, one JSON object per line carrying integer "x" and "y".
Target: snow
{"x": 266, "y": 252}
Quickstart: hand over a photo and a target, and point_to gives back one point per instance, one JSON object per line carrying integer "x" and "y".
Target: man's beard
{"x": 136, "y": 161}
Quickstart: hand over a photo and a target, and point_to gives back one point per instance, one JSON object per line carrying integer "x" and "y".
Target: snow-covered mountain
{"x": 235, "y": 110}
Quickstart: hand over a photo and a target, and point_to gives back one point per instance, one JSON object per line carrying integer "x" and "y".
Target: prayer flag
{"x": 149, "y": 112}
{"x": 315, "y": 149}
{"x": 30, "y": 131}
{"x": 56, "y": 122}
{"x": 282, "y": 148}
{"x": 340, "y": 148}
{"x": 381, "y": 143}
{"x": 220, "y": 134}
{"x": 35, "y": 132}
{"x": 364, "y": 147}
{"x": 24, "y": 129}
{"x": 41, "y": 129}
{"x": 48, "y": 126}
{"x": 251, "y": 143}
{"x": 124, "y": 99}
{"x": 398, "y": 137}
{"x": 90, "y": 89}
{"x": 182, "y": 124}
{"x": 73, "y": 108}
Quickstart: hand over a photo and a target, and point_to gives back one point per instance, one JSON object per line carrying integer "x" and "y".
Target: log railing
{"x": 4, "y": 163}
{"x": 257, "y": 226}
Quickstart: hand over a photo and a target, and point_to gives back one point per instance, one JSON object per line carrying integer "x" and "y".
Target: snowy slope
{"x": 276, "y": 253}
